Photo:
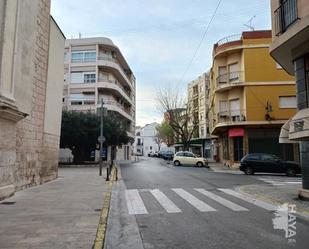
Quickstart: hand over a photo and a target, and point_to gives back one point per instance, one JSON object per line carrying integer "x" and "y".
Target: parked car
{"x": 188, "y": 158}
{"x": 166, "y": 155}
{"x": 268, "y": 163}
{"x": 156, "y": 154}
{"x": 151, "y": 154}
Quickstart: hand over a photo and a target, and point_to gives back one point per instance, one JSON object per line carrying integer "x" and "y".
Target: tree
{"x": 177, "y": 115}
{"x": 80, "y": 131}
{"x": 165, "y": 134}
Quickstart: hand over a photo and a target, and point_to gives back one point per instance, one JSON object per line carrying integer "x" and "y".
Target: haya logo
{"x": 286, "y": 220}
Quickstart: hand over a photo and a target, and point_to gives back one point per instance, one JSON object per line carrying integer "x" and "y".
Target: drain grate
{"x": 8, "y": 202}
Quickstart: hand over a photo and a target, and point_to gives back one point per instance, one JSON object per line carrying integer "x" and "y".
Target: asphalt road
{"x": 160, "y": 206}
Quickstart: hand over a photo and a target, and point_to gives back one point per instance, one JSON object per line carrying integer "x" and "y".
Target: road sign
{"x": 101, "y": 139}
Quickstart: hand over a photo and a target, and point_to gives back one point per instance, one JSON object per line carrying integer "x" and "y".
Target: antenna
{"x": 249, "y": 23}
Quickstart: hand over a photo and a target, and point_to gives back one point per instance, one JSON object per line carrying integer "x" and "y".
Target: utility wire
{"x": 200, "y": 43}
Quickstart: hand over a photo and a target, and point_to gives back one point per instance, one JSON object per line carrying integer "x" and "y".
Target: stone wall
{"x": 28, "y": 153}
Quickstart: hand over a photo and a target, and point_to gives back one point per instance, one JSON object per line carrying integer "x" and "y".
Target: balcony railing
{"x": 116, "y": 83}
{"x": 230, "y": 78}
{"x": 228, "y": 39}
{"x": 285, "y": 16}
{"x": 231, "y": 116}
{"x": 115, "y": 103}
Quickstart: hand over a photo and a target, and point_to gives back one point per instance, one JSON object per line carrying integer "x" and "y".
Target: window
{"x": 222, "y": 75}
{"x": 83, "y": 56}
{"x": 223, "y": 106}
{"x": 150, "y": 147}
{"x": 188, "y": 154}
{"x": 83, "y": 77}
{"x": 233, "y": 72}
{"x": 202, "y": 116}
{"x": 287, "y": 102}
{"x": 266, "y": 157}
{"x": 253, "y": 157}
{"x": 180, "y": 154}
{"x": 202, "y": 131}
{"x": 235, "y": 108}
{"x": 89, "y": 78}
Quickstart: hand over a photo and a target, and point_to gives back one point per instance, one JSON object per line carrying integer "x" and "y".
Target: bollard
{"x": 107, "y": 174}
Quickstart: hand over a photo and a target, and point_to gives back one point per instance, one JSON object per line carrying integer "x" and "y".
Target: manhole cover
{"x": 8, "y": 202}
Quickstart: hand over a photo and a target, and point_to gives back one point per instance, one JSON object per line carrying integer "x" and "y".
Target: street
{"x": 157, "y": 205}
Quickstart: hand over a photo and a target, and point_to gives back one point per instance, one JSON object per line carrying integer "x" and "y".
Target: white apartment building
{"x": 94, "y": 69}
{"x": 145, "y": 139}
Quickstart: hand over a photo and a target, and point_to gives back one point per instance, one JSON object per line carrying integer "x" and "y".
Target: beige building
{"x": 31, "y": 82}
{"x": 198, "y": 109}
{"x": 290, "y": 48}
{"x": 95, "y": 69}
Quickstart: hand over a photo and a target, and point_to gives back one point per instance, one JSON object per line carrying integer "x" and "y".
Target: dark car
{"x": 166, "y": 155}
{"x": 268, "y": 163}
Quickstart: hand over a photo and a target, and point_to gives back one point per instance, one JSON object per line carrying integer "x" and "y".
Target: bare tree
{"x": 176, "y": 113}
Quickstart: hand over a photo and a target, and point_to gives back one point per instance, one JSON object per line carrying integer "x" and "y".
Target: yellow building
{"x": 251, "y": 97}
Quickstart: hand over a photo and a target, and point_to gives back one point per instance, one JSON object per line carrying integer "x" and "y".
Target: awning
{"x": 284, "y": 134}
{"x": 236, "y": 132}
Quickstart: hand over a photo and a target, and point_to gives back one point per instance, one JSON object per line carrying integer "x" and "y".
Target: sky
{"x": 159, "y": 38}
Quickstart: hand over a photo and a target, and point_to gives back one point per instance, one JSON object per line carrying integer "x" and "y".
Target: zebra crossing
{"x": 136, "y": 205}
{"x": 280, "y": 181}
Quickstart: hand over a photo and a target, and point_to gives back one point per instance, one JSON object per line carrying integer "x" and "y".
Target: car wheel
{"x": 199, "y": 164}
{"x": 249, "y": 171}
{"x": 177, "y": 163}
{"x": 290, "y": 172}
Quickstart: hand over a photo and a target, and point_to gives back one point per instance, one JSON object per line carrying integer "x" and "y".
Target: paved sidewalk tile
{"x": 63, "y": 213}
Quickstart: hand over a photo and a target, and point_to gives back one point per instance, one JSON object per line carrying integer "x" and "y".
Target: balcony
{"x": 285, "y": 16}
{"x": 229, "y": 80}
{"x": 113, "y": 63}
{"x": 227, "y": 42}
{"x": 117, "y": 87}
{"x": 112, "y": 105}
{"x": 231, "y": 116}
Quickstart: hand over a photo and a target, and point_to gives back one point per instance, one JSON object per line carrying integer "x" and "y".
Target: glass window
{"x": 83, "y": 56}
{"x": 188, "y": 154}
{"x": 180, "y": 154}
{"x": 77, "y": 57}
{"x": 287, "y": 102}
{"x": 77, "y": 77}
{"x": 253, "y": 157}
{"x": 233, "y": 72}
{"x": 89, "y": 78}
{"x": 266, "y": 157}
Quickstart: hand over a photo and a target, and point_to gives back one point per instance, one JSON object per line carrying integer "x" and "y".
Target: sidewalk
{"x": 63, "y": 213}
{"x": 278, "y": 195}
{"x": 220, "y": 168}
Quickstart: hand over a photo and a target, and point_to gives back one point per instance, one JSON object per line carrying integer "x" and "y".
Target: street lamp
{"x": 101, "y": 138}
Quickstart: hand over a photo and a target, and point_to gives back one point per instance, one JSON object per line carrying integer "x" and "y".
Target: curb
{"x": 101, "y": 230}
{"x": 300, "y": 211}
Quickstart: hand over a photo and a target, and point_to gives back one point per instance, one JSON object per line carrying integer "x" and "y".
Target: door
{"x": 190, "y": 158}
{"x": 238, "y": 148}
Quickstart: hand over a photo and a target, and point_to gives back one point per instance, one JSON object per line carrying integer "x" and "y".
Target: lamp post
{"x": 101, "y": 138}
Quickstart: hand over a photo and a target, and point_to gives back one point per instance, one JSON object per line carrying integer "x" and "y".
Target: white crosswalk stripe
{"x": 249, "y": 199}
{"x": 134, "y": 202}
{"x": 165, "y": 202}
{"x": 198, "y": 204}
{"x": 222, "y": 201}
{"x": 280, "y": 182}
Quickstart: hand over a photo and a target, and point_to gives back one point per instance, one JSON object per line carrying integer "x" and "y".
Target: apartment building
{"x": 95, "y": 69}
{"x": 145, "y": 139}
{"x": 31, "y": 84}
{"x": 250, "y": 98}
{"x": 290, "y": 48}
{"x": 198, "y": 109}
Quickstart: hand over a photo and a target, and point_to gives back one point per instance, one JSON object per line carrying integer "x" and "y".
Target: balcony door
{"x": 235, "y": 109}
{"x": 233, "y": 73}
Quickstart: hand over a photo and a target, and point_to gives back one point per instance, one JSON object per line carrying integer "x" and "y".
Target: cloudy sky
{"x": 159, "y": 37}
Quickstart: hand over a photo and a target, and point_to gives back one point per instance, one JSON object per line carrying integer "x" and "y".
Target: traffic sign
{"x": 101, "y": 139}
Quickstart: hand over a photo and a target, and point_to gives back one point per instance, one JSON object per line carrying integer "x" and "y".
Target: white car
{"x": 188, "y": 158}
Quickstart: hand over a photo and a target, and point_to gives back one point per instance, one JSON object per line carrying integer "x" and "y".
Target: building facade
{"x": 250, "y": 98}
{"x": 290, "y": 48}
{"x": 198, "y": 92}
{"x": 31, "y": 83}
{"x": 95, "y": 69}
{"x": 145, "y": 140}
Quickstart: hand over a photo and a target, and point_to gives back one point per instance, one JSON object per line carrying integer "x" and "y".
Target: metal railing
{"x": 231, "y": 116}
{"x": 230, "y": 78}
{"x": 117, "y": 83}
{"x": 115, "y": 103}
{"x": 285, "y": 15}
{"x": 230, "y": 38}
